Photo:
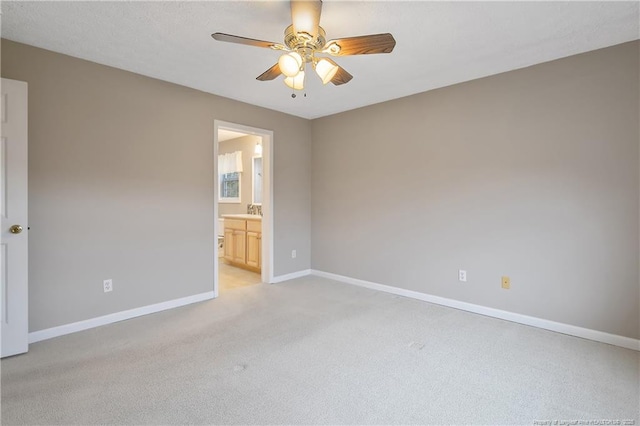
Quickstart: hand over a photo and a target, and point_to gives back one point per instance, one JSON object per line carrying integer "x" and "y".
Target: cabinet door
{"x": 228, "y": 243}
{"x": 239, "y": 246}
{"x": 260, "y": 250}
{"x": 253, "y": 249}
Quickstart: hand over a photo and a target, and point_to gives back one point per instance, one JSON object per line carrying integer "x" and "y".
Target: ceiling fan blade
{"x": 270, "y": 74}
{"x": 362, "y": 45}
{"x": 341, "y": 77}
{"x": 305, "y": 16}
{"x": 243, "y": 40}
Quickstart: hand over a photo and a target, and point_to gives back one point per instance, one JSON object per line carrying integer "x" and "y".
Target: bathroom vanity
{"x": 243, "y": 240}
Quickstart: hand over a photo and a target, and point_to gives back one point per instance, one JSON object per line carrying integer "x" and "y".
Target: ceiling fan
{"x": 305, "y": 43}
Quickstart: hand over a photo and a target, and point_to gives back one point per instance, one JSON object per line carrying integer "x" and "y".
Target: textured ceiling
{"x": 438, "y": 43}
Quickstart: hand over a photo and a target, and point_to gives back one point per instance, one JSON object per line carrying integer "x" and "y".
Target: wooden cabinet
{"x": 239, "y": 246}
{"x": 253, "y": 248}
{"x": 228, "y": 244}
{"x": 243, "y": 243}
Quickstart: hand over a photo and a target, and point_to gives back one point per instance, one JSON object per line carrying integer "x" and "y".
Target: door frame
{"x": 267, "y": 198}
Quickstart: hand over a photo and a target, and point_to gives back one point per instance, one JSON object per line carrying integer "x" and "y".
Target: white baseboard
{"x": 572, "y": 330}
{"x": 61, "y": 330}
{"x": 287, "y": 277}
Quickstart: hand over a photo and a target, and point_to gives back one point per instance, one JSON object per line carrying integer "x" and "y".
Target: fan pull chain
{"x": 304, "y": 87}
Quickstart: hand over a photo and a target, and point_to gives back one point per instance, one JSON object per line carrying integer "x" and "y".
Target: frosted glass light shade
{"x": 305, "y": 16}
{"x": 258, "y": 149}
{"x": 326, "y": 70}
{"x": 297, "y": 82}
{"x": 290, "y": 64}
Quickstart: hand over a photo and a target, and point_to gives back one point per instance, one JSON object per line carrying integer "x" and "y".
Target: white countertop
{"x": 242, "y": 216}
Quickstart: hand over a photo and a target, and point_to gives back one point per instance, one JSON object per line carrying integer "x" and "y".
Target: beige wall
{"x": 121, "y": 186}
{"x": 531, "y": 174}
{"x": 247, "y": 145}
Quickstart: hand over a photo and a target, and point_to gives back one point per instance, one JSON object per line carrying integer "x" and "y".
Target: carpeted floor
{"x": 312, "y": 351}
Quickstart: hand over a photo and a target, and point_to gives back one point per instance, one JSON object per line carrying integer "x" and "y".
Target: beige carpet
{"x": 312, "y": 351}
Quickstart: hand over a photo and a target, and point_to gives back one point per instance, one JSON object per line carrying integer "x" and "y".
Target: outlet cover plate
{"x": 506, "y": 283}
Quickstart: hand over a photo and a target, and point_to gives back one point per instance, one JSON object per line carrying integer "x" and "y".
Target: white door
{"x": 13, "y": 211}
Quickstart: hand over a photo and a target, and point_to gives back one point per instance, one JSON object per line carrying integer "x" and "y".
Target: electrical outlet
{"x": 462, "y": 275}
{"x": 108, "y": 285}
{"x": 506, "y": 283}
{"x": 293, "y": 254}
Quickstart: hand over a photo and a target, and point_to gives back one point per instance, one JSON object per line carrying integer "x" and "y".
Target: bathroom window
{"x": 229, "y": 188}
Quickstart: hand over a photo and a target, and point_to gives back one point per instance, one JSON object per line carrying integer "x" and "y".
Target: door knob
{"x": 15, "y": 229}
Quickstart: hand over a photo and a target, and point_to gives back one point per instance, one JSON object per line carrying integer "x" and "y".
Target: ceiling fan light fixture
{"x": 290, "y": 64}
{"x": 326, "y": 70}
{"x": 297, "y": 82}
{"x": 305, "y": 42}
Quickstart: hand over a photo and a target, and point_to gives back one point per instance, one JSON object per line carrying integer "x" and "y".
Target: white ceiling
{"x": 438, "y": 43}
{"x": 226, "y": 135}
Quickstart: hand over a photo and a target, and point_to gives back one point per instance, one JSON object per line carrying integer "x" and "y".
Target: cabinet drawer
{"x": 254, "y": 225}
{"x": 235, "y": 224}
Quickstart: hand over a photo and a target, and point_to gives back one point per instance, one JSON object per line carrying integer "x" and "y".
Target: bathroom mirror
{"x": 256, "y": 180}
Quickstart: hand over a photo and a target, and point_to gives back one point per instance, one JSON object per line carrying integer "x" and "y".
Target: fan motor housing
{"x": 304, "y": 43}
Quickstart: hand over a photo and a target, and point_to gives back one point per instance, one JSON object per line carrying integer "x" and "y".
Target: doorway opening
{"x": 243, "y": 205}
